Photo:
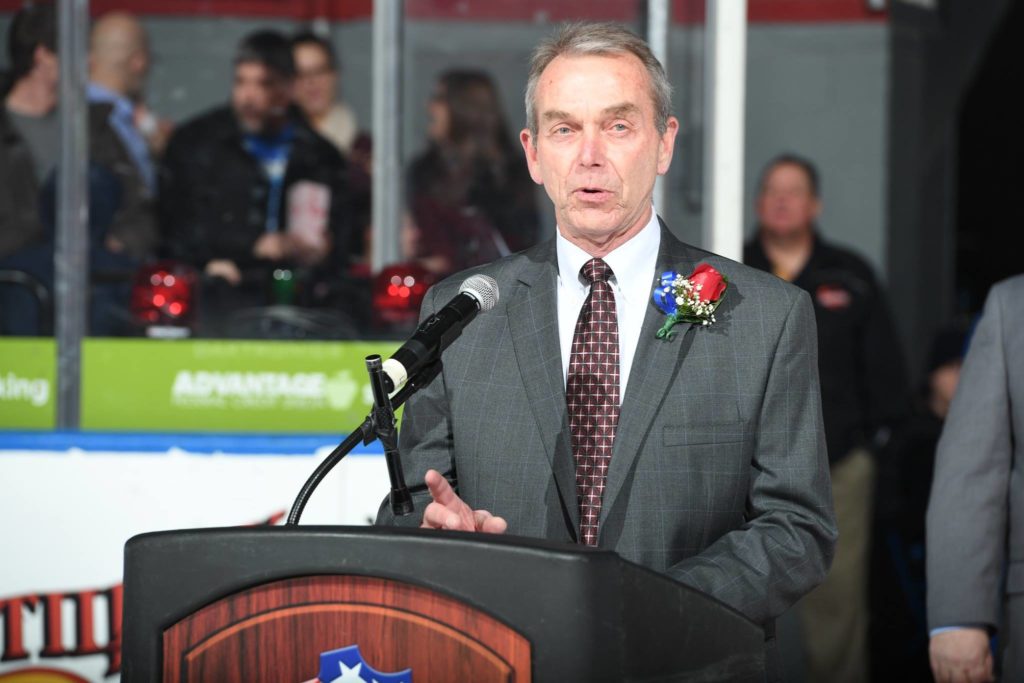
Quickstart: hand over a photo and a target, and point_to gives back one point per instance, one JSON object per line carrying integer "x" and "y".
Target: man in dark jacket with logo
{"x": 863, "y": 393}
{"x": 250, "y": 185}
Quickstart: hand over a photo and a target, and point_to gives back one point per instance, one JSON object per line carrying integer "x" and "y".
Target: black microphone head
{"x": 483, "y": 288}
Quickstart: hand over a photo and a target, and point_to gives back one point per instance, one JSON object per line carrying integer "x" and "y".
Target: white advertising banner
{"x": 68, "y": 512}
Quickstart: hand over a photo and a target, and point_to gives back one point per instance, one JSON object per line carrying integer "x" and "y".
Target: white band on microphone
{"x": 396, "y": 371}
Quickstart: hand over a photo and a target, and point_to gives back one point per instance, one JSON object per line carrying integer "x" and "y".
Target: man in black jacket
{"x": 864, "y": 394}
{"x": 250, "y": 185}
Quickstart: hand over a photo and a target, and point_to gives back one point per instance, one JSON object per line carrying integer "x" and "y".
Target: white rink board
{"x": 68, "y": 514}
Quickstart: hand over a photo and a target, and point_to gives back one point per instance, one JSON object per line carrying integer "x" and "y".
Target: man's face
{"x": 597, "y": 150}
{"x": 138, "y": 68}
{"x": 314, "y": 79}
{"x": 259, "y": 97}
{"x": 787, "y": 206}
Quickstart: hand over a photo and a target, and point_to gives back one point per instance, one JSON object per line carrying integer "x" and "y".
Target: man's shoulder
{"x": 218, "y": 122}
{"x": 836, "y": 257}
{"x": 1010, "y": 289}
{"x": 314, "y": 149}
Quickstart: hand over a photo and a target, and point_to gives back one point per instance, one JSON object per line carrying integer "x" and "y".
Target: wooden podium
{"x": 263, "y": 604}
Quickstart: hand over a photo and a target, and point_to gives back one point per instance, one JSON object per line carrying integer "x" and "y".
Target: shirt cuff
{"x": 942, "y": 629}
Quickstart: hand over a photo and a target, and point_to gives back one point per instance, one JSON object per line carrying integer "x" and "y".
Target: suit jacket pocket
{"x": 712, "y": 433}
{"x": 706, "y": 422}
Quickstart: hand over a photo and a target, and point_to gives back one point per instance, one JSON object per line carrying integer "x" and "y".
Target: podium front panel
{"x": 277, "y": 631}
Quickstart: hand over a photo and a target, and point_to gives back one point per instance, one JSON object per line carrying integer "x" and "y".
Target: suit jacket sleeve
{"x": 425, "y": 441}
{"x": 785, "y": 546}
{"x": 966, "y": 525}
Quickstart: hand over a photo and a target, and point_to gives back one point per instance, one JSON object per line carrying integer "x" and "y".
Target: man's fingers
{"x": 437, "y": 516}
{"x": 440, "y": 489}
{"x": 488, "y": 523}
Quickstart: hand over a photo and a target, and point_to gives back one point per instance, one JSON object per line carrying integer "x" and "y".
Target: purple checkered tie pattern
{"x": 592, "y": 394}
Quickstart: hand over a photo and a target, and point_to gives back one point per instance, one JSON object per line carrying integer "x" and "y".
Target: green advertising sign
{"x": 226, "y": 386}
{"x": 28, "y": 373}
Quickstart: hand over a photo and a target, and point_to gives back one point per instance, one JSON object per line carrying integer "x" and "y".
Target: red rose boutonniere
{"x": 692, "y": 299}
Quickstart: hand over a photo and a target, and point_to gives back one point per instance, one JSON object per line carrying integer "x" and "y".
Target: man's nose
{"x": 591, "y": 149}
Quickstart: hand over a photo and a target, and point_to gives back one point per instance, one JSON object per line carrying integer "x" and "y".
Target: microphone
{"x": 436, "y": 333}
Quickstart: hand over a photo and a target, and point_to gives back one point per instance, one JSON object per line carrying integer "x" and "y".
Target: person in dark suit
{"x": 975, "y": 524}
{"x": 563, "y": 413}
{"x": 251, "y": 185}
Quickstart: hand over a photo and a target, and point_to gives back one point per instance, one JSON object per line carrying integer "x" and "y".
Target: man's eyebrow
{"x": 553, "y": 114}
{"x": 621, "y": 109}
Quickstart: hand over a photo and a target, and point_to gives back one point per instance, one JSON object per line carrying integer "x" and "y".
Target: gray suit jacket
{"x": 976, "y": 512}
{"x": 719, "y": 475}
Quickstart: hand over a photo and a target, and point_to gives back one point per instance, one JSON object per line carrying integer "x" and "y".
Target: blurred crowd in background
{"x": 254, "y": 217}
{"x": 262, "y": 201}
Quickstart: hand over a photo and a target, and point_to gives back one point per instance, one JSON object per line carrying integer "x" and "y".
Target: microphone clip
{"x": 382, "y": 419}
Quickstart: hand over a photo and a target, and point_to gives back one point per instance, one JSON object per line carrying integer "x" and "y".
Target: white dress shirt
{"x": 632, "y": 265}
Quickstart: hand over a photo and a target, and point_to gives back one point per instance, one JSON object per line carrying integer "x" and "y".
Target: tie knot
{"x": 596, "y": 270}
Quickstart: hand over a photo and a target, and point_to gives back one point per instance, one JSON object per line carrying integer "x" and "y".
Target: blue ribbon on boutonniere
{"x": 692, "y": 299}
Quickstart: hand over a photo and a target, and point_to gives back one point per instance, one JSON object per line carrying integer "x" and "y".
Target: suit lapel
{"x": 654, "y": 368}
{"x": 533, "y": 326}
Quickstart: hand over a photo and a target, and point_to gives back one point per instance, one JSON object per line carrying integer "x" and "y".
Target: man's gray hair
{"x": 581, "y": 39}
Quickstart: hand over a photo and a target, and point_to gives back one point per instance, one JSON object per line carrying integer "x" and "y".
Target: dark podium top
{"x": 581, "y": 614}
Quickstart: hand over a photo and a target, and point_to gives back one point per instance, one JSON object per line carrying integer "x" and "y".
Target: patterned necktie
{"x": 592, "y": 394}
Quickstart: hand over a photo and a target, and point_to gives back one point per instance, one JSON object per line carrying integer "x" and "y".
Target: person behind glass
{"x": 250, "y": 184}
{"x": 470, "y": 195}
{"x": 316, "y": 90}
{"x": 119, "y": 62}
{"x": 316, "y": 94}
{"x": 864, "y": 394}
{"x": 121, "y": 229}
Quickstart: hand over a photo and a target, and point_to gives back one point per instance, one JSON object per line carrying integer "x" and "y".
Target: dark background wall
{"x": 950, "y": 222}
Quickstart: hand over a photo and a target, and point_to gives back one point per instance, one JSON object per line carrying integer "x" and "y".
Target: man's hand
{"x": 223, "y": 268}
{"x": 448, "y": 511}
{"x": 961, "y": 656}
{"x": 271, "y": 246}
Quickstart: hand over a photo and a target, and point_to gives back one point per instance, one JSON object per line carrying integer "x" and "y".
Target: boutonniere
{"x": 692, "y": 299}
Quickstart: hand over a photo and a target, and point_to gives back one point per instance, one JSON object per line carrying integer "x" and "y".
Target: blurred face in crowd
{"x": 787, "y": 206}
{"x": 138, "y": 68}
{"x": 943, "y": 381}
{"x": 597, "y": 150}
{"x": 315, "y": 80}
{"x": 440, "y": 115}
{"x": 260, "y": 97}
{"x": 47, "y": 66}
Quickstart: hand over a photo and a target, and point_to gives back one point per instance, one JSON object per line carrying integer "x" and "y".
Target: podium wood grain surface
{"x": 276, "y": 632}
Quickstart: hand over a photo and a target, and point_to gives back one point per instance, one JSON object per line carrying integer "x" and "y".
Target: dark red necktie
{"x": 592, "y": 394}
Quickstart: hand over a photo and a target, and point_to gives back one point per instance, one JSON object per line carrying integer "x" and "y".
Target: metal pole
{"x": 659, "y": 16}
{"x": 388, "y": 196}
{"x": 726, "y": 110}
{"x": 71, "y": 265}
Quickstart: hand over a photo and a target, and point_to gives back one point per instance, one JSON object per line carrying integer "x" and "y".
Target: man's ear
{"x": 530, "y": 149}
{"x": 44, "y": 56}
{"x": 667, "y": 145}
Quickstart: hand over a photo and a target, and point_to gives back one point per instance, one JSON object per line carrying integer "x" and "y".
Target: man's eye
{"x": 563, "y": 130}
{"x": 620, "y": 127}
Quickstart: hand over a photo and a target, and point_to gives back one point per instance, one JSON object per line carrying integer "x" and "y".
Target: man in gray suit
{"x": 975, "y": 523}
{"x": 718, "y": 474}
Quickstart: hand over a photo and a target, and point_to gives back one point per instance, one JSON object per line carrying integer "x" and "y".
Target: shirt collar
{"x": 99, "y": 93}
{"x": 632, "y": 261}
